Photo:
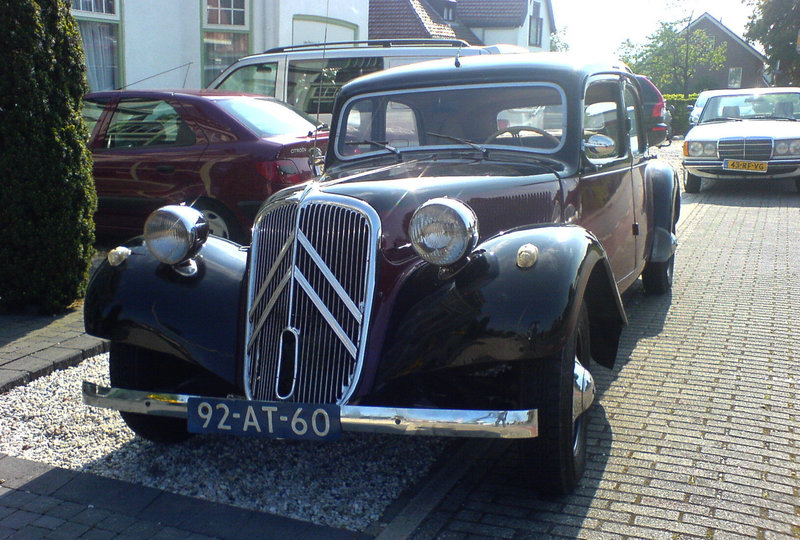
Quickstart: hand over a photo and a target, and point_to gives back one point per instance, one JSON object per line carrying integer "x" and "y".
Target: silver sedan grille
{"x": 753, "y": 148}
{"x": 309, "y": 298}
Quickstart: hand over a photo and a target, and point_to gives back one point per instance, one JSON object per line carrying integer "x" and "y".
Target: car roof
{"x": 749, "y": 91}
{"x": 566, "y": 68}
{"x": 164, "y": 93}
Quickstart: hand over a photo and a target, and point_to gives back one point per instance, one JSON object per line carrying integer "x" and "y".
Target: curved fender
{"x": 666, "y": 209}
{"x": 493, "y": 310}
{"x": 148, "y": 304}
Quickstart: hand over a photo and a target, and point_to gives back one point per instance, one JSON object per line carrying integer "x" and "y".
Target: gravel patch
{"x": 346, "y": 484}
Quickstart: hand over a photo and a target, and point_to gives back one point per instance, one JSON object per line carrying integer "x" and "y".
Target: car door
{"x": 637, "y": 144}
{"x": 147, "y": 156}
{"x": 605, "y": 187}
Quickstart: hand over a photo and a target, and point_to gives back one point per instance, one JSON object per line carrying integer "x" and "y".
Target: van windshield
{"x": 253, "y": 79}
{"x": 528, "y": 117}
{"x": 312, "y": 85}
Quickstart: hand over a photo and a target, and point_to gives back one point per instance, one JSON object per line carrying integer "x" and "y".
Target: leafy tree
{"x": 775, "y": 24}
{"x": 674, "y": 55}
{"x": 557, "y": 42}
{"x": 47, "y": 197}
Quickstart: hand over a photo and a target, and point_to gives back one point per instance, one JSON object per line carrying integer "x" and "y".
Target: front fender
{"x": 494, "y": 311}
{"x": 146, "y": 303}
{"x": 666, "y": 209}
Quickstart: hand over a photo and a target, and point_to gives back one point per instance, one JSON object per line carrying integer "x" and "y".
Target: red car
{"x": 223, "y": 153}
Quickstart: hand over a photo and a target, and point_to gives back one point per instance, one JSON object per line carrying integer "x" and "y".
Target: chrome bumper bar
{"x": 441, "y": 422}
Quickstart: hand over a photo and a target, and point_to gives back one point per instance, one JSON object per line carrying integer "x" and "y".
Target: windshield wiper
{"x": 475, "y": 146}
{"x": 721, "y": 119}
{"x": 773, "y": 117}
{"x": 379, "y": 144}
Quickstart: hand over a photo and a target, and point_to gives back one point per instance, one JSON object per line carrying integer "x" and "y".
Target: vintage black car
{"x": 452, "y": 273}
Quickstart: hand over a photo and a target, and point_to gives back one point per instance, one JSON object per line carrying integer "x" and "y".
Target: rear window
{"x": 267, "y": 118}
{"x": 649, "y": 92}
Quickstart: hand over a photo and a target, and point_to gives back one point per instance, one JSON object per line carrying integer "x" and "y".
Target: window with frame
{"x": 633, "y": 125}
{"x": 146, "y": 122}
{"x": 735, "y": 77}
{"x": 98, "y": 23}
{"x": 536, "y": 25}
{"x": 226, "y": 36}
{"x": 602, "y": 124}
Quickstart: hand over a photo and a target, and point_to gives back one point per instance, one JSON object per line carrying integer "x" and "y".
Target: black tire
{"x": 139, "y": 369}
{"x": 692, "y": 183}
{"x": 657, "y": 276}
{"x": 221, "y": 221}
{"x": 556, "y": 459}
{"x": 797, "y": 184}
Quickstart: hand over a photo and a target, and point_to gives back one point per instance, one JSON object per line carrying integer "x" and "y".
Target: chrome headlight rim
{"x": 174, "y": 234}
{"x": 786, "y": 148}
{"x": 443, "y": 231}
{"x": 701, "y": 149}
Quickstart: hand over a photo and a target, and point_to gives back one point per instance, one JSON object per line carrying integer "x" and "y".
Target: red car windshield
{"x": 267, "y": 118}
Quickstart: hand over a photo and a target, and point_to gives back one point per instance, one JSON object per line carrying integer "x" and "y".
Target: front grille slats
{"x": 312, "y": 267}
{"x": 750, "y": 148}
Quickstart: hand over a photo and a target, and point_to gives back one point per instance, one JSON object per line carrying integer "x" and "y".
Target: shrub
{"x": 680, "y": 114}
{"x": 47, "y": 197}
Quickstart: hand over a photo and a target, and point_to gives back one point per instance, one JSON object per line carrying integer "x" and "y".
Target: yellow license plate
{"x": 749, "y": 166}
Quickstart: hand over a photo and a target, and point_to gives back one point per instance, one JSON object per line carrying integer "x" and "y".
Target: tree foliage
{"x": 775, "y": 24}
{"x": 673, "y": 55}
{"x": 47, "y": 197}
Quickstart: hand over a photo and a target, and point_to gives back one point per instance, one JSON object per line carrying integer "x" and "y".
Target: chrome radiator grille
{"x": 310, "y": 290}
{"x": 754, "y": 148}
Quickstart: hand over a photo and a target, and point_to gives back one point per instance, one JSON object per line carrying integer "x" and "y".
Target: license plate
{"x": 749, "y": 166}
{"x": 269, "y": 419}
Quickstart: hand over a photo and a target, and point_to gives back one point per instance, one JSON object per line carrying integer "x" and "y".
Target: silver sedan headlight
{"x": 443, "y": 230}
{"x": 700, "y": 149}
{"x": 174, "y": 234}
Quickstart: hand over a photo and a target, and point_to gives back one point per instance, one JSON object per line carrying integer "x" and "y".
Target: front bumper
{"x": 711, "y": 168}
{"x": 521, "y": 424}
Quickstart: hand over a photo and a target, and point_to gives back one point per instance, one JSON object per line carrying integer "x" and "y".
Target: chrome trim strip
{"x": 329, "y": 277}
{"x": 271, "y": 274}
{"x": 326, "y": 314}
{"x": 517, "y": 424}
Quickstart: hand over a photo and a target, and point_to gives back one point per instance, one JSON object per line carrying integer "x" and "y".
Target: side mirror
{"x": 599, "y": 147}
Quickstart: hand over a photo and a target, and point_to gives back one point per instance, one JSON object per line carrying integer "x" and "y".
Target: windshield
{"x": 529, "y": 117}
{"x": 267, "y": 117}
{"x": 756, "y": 105}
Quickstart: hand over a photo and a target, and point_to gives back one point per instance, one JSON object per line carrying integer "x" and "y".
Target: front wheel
{"x": 556, "y": 459}
{"x": 135, "y": 368}
{"x": 692, "y": 183}
{"x": 657, "y": 276}
{"x": 220, "y": 220}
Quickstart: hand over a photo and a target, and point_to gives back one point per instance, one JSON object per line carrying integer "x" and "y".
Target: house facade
{"x": 187, "y": 43}
{"x": 525, "y": 23}
{"x": 744, "y": 65}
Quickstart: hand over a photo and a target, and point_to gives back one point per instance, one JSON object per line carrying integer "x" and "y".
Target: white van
{"x": 309, "y": 76}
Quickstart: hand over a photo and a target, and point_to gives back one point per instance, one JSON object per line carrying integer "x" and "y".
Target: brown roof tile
{"x": 491, "y": 13}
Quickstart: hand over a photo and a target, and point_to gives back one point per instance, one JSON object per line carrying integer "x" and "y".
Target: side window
{"x": 144, "y": 122}
{"x": 91, "y": 114}
{"x": 255, "y": 79}
{"x": 312, "y": 85}
{"x": 634, "y": 126}
{"x": 401, "y": 125}
{"x": 359, "y": 129}
{"x": 603, "y": 128}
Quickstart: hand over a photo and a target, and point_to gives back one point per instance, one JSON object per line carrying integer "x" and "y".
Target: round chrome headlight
{"x": 442, "y": 231}
{"x": 174, "y": 234}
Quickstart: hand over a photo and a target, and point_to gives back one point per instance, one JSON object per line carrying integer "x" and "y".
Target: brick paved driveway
{"x": 696, "y": 432}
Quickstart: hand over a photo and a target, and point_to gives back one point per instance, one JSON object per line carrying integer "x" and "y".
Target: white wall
{"x": 159, "y": 36}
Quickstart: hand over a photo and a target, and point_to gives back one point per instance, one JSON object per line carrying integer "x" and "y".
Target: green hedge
{"x": 680, "y": 114}
{"x": 47, "y": 197}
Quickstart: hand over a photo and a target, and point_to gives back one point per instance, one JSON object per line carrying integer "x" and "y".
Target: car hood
{"x": 745, "y": 128}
